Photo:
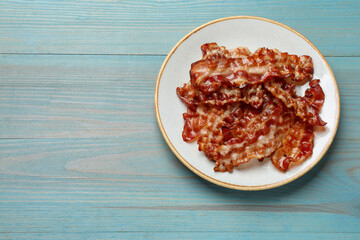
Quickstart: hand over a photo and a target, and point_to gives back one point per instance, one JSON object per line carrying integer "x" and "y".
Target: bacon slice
{"x": 194, "y": 122}
{"x": 208, "y": 118}
{"x": 304, "y": 109}
{"x": 252, "y": 94}
{"x": 234, "y": 134}
{"x": 315, "y": 95}
{"x": 296, "y": 147}
{"x": 210, "y": 73}
{"x": 212, "y": 50}
{"x": 255, "y": 137}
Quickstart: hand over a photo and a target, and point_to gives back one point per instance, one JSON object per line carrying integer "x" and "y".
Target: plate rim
{"x": 200, "y": 173}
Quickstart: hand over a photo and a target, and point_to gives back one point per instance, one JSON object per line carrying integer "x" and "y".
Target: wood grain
{"x": 183, "y": 235}
{"x": 77, "y": 96}
{"x": 153, "y": 27}
{"x": 69, "y": 181}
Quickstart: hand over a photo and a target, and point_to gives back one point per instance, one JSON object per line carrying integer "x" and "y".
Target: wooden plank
{"x": 181, "y": 235}
{"x": 153, "y": 27}
{"x": 136, "y": 184}
{"x": 69, "y": 96}
{"x": 70, "y": 162}
{"x": 77, "y": 96}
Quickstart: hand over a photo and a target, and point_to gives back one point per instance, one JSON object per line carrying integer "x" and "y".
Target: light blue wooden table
{"x": 81, "y": 154}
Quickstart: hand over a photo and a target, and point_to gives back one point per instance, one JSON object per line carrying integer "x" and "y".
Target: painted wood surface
{"x": 81, "y": 155}
{"x": 153, "y": 27}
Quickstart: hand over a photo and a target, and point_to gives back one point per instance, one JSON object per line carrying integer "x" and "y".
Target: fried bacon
{"x": 315, "y": 95}
{"x": 252, "y": 94}
{"x": 296, "y": 147}
{"x": 243, "y": 106}
{"x": 303, "y": 106}
{"x": 257, "y": 136}
{"x": 209, "y": 118}
{"x": 209, "y": 74}
{"x": 212, "y": 50}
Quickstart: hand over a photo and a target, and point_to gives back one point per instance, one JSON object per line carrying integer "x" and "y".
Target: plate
{"x": 231, "y": 32}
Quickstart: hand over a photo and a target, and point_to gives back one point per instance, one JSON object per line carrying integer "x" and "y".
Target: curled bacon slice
{"x": 315, "y": 95}
{"x": 212, "y": 50}
{"x": 194, "y": 122}
{"x": 208, "y": 118}
{"x": 252, "y": 94}
{"x": 210, "y": 73}
{"x": 296, "y": 147}
{"x": 237, "y": 133}
{"x": 305, "y": 110}
{"x": 254, "y": 138}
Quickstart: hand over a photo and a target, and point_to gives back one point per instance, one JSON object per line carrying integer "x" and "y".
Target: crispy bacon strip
{"x": 305, "y": 110}
{"x": 252, "y": 94}
{"x": 194, "y": 122}
{"x": 235, "y": 133}
{"x": 212, "y": 50}
{"x": 315, "y": 95}
{"x": 210, "y": 73}
{"x": 204, "y": 117}
{"x": 257, "y": 137}
{"x": 296, "y": 147}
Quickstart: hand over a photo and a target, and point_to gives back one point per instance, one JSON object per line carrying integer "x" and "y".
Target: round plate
{"x": 231, "y": 32}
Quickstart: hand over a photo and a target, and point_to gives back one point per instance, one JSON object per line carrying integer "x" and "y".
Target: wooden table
{"x": 81, "y": 154}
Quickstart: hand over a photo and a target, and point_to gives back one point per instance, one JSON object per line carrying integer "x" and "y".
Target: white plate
{"x": 231, "y": 32}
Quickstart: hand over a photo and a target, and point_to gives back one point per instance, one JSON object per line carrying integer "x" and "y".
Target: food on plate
{"x": 243, "y": 105}
{"x": 218, "y": 68}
